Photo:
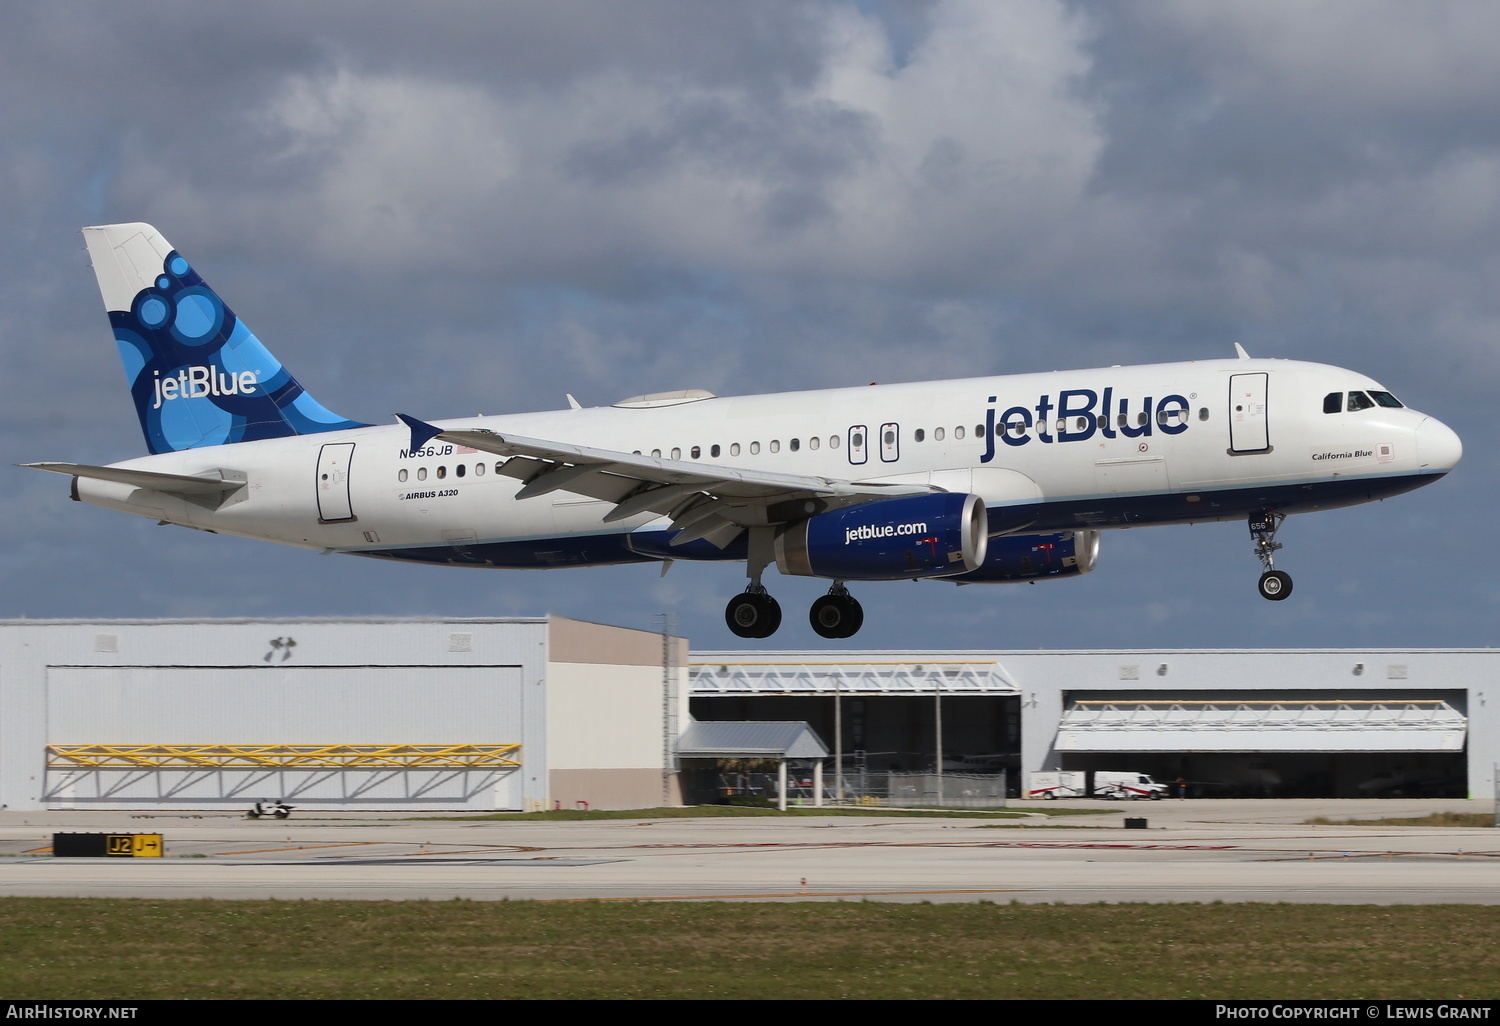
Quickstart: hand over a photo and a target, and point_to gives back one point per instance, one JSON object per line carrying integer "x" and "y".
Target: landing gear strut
{"x": 1274, "y": 584}
{"x": 837, "y": 614}
{"x": 753, "y": 613}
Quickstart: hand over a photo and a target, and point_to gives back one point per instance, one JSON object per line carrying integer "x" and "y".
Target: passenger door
{"x": 1248, "y": 428}
{"x": 333, "y": 482}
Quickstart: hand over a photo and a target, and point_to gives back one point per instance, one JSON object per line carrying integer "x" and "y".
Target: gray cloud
{"x": 475, "y": 207}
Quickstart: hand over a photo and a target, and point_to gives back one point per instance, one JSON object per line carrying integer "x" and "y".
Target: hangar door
{"x": 1310, "y": 747}
{"x": 334, "y": 737}
{"x": 1336, "y": 725}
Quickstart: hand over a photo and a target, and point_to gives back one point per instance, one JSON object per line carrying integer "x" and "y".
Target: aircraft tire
{"x": 1275, "y": 585}
{"x": 855, "y": 617}
{"x": 836, "y": 616}
{"x": 753, "y": 615}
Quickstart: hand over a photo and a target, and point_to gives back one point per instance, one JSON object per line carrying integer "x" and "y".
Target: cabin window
{"x": 401, "y": 474}
{"x": 421, "y": 473}
{"x": 1359, "y": 401}
{"x": 458, "y": 471}
{"x": 812, "y": 443}
{"x": 442, "y": 472}
{"x": 1123, "y": 420}
{"x": 1103, "y": 422}
{"x": 656, "y": 453}
{"x": 794, "y": 444}
{"x": 676, "y": 453}
{"x": 1016, "y": 427}
{"x": 479, "y": 470}
{"x": 498, "y": 465}
{"x": 734, "y": 449}
{"x": 1083, "y": 423}
{"x": 1333, "y": 402}
{"x": 833, "y": 441}
{"x": 937, "y": 434}
{"x": 958, "y": 432}
{"x": 1203, "y": 413}
{"x": 918, "y": 435}
{"x": 696, "y": 452}
{"x": 775, "y": 445}
{"x": 978, "y": 430}
{"x": 1141, "y": 418}
{"x": 713, "y": 452}
{"x": 754, "y": 448}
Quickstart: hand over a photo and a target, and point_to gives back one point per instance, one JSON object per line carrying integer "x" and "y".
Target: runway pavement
{"x": 1192, "y": 851}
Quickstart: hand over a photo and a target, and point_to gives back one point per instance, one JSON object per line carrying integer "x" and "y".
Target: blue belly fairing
{"x": 609, "y": 549}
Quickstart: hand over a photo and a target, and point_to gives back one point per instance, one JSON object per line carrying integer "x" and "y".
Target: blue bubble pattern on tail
{"x": 197, "y": 374}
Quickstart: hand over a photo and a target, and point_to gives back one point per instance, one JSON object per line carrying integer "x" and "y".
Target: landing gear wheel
{"x": 836, "y": 616}
{"x": 1275, "y": 585}
{"x": 753, "y": 614}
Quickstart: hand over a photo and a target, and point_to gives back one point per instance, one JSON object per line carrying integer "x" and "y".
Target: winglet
{"x": 1241, "y": 350}
{"x": 572, "y": 403}
{"x": 421, "y": 432}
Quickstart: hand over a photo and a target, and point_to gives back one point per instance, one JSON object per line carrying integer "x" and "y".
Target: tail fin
{"x": 197, "y": 374}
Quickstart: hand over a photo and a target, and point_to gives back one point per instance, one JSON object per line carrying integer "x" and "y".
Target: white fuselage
{"x": 1219, "y": 437}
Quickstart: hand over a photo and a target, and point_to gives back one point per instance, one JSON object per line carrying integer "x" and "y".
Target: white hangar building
{"x": 542, "y": 713}
{"x": 352, "y": 714}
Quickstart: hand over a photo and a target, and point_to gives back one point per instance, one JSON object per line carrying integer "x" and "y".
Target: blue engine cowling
{"x": 1036, "y": 557}
{"x": 888, "y": 540}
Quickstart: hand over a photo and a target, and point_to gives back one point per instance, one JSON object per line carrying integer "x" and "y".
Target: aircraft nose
{"x": 1438, "y": 447}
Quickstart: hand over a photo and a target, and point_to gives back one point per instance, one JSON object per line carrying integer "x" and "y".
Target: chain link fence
{"x": 946, "y": 791}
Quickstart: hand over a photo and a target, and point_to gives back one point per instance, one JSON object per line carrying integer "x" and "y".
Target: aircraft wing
{"x": 704, "y": 500}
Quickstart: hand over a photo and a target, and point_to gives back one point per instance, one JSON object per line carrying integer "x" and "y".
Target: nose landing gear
{"x": 1274, "y": 584}
{"x": 837, "y": 614}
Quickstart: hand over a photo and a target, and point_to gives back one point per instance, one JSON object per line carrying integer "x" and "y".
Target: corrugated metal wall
{"x": 272, "y": 682}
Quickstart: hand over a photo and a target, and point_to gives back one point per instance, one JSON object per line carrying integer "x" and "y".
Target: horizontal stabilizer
{"x": 179, "y": 484}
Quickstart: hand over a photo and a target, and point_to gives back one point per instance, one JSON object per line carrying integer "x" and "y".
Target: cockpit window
{"x": 1333, "y": 402}
{"x": 1359, "y": 401}
{"x": 1385, "y": 399}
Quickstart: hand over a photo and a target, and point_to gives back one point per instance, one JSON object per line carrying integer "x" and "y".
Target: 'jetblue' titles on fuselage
{"x": 1080, "y": 413}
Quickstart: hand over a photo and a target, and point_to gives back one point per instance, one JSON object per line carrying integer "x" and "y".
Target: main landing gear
{"x": 837, "y": 614}
{"x": 755, "y": 614}
{"x": 1274, "y": 584}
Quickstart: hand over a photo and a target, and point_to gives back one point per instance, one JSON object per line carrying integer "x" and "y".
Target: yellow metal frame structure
{"x": 283, "y": 756}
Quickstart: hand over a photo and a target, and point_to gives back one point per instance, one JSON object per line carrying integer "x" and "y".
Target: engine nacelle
{"x": 1036, "y": 557}
{"x": 934, "y": 535}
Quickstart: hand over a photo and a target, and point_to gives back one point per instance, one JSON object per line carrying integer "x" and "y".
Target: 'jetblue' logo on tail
{"x": 196, "y": 382}
{"x": 197, "y": 374}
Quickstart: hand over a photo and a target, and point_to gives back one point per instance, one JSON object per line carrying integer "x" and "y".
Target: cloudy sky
{"x": 471, "y": 207}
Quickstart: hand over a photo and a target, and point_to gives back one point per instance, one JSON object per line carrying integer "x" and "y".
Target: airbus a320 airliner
{"x": 969, "y": 481}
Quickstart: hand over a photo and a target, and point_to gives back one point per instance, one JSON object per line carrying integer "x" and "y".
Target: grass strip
{"x": 76, "y": 948}
{"x": 1468, "y": 820}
